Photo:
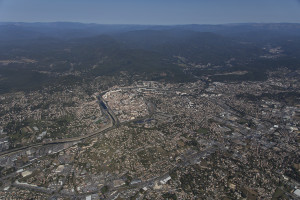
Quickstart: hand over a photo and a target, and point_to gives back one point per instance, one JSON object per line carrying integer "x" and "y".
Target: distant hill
{"x": 36, "y": 54}
{"x": 67, "y": 30}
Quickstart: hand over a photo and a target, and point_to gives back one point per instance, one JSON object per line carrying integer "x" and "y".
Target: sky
{"x": 151, "y": 11}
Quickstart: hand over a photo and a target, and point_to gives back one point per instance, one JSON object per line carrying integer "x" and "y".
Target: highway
{"x": 113, "y": 122}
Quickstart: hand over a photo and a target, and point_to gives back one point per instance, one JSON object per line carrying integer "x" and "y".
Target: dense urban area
{"x": 204, "y": 139}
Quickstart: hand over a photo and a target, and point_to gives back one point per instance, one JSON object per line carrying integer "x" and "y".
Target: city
{"x": 202, "y": 139}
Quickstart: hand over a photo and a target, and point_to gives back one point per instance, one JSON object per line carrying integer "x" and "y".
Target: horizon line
{"x": 128, "y": 24}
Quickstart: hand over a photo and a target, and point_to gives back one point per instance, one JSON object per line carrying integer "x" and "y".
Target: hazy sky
{"x": 151, "y": 11}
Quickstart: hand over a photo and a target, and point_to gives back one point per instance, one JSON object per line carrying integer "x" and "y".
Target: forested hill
{"x": 33, "y": 55}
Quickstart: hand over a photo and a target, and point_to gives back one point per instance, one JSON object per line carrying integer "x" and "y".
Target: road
{"x": 113, "y": 122}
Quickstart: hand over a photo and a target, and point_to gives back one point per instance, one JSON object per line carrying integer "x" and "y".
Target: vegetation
{"x": 104, "y": 189}
{"x": 29, "y": 61}
{"x": 203, "y": 131}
